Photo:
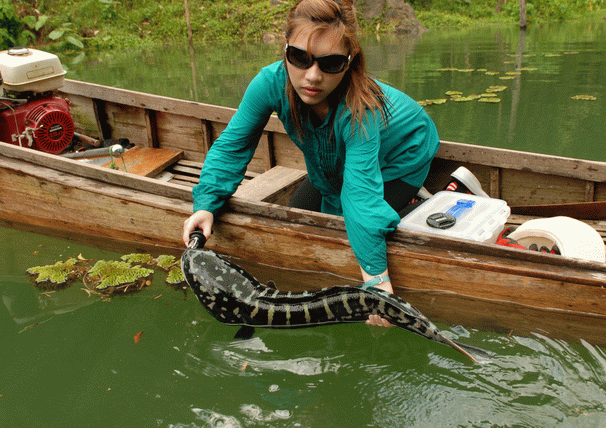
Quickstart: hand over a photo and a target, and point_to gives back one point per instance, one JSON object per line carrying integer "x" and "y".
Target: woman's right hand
{"x": 202, "y": 220}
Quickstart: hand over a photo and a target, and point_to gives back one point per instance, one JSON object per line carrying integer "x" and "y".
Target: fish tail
{"x": 471, "y": 351}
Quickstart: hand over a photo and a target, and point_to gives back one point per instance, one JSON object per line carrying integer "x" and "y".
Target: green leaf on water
{"x": 496, "y": 88}
{"x": 137, "y": 258}
{"x": 57, "y": 274}
{"x": 106, "y": 274}
{"x": 489, "y": 100}
{"x": 165, "y": 262}
{"x": 584, "y": 97}
{"x": 175, "y": 276}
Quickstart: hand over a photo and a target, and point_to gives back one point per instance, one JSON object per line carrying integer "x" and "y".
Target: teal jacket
{"x": 348, "y": 166}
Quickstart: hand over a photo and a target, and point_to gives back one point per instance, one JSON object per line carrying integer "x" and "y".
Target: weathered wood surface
{"x": 275, "y": 185}
{"x": 145, "y": 161}
{"x": 578, "y": 210}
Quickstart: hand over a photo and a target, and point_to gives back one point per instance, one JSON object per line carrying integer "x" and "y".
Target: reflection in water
{"x": 557, "y": 61}
{"x": 531, "y": 382}
{"x": 30, "y": 309}
{"x": 397, "y": 380}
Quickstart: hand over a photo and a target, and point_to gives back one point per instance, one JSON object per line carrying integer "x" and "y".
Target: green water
{"x": 70, "y": 360}
{"x": 536, "y": 112}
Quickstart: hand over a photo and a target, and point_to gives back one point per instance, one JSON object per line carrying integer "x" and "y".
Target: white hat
{"x": 573, "y": 237}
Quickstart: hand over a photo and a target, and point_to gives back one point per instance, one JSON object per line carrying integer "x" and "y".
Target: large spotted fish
{"x": 233, "y": 296}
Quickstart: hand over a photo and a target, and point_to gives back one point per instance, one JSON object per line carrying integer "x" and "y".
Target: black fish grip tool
{"x": 196, "y": 240}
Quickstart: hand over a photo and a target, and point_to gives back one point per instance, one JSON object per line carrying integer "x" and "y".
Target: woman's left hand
{"x": 376, "y": 319}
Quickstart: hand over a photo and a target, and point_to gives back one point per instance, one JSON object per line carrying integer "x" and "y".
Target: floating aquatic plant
{"x": 119, "y": 275}
{"x": 432, "y": 102}
{"x": 489, "y": 100}
{"x": 175, "y": 276}
{"x": 137, "y": 258}
{"x": 492, "y": 73}
{"x": 108, "y": 277}
{"x": 451, "y": 93}
{"x": 471, "y": 97}
{"x": 584, "y": 97}
{"x": 165, "y": 262}
{"x": 496, "y": 88}
{"x": 507, "y": 77}
{"x": 57, "y": 275}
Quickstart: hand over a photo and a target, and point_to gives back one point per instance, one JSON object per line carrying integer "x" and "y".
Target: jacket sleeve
{"x": 368, "y": 217}
{"x": 226, "y": 161}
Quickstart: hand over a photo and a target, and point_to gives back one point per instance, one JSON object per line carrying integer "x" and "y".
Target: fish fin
{"x": 245, "y": 332}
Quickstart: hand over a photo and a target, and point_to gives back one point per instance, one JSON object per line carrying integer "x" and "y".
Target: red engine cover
{"x": 49, "y": 118}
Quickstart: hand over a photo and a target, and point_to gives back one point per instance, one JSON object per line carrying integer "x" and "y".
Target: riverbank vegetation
{"x": 59, "y": 25}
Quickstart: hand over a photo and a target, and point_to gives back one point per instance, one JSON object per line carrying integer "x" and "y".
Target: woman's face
{"x": 312, "y": 84}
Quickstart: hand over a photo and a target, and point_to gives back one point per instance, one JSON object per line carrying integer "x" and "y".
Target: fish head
{"x": 212, "y": 277}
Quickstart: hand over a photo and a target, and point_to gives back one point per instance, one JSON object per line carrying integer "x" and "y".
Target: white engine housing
{"x": 25, "y": 70}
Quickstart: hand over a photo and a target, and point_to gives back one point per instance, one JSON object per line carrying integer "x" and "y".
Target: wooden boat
{"x": 449, "y": 278}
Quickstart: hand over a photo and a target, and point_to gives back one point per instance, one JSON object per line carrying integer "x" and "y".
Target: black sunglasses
{"x": 302, "y": 59}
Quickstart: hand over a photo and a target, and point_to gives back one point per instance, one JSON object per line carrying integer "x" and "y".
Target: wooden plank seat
{"x": 275, "y": 185}
{"x": 187, "y": 173}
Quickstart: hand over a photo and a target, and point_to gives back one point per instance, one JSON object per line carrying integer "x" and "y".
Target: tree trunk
{"x": 523, "y": 14}
{"x": 499, "y": 5}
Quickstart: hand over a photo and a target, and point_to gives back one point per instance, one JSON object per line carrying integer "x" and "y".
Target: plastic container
{"x": 24, "y": 69}
{"x": 572, "y": 237}
{"x": 477, "y": 218}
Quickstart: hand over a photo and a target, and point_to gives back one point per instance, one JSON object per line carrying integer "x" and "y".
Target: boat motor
{"x": 31, "y": 115}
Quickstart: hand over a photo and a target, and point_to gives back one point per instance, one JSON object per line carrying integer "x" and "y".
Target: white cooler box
{"x": 477, "y": 218}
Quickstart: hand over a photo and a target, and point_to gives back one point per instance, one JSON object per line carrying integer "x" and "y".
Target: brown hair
{"x": 361, "y": 92}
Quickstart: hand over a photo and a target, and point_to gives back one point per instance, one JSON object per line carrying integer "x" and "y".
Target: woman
{"x": 367, "y": 146}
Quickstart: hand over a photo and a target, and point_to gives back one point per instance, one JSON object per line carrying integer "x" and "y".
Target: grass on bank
{"x": 60, "y": 25}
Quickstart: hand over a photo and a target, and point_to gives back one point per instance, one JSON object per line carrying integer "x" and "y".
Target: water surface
{"x": 537, "y": 114}
{"x": 68, "y": 359}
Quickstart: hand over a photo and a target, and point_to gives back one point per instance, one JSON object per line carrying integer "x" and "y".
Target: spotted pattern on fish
{"x": 213, "y": 278}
